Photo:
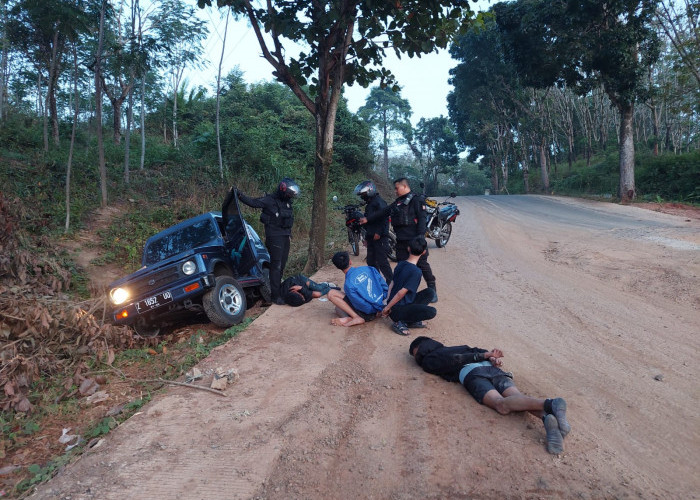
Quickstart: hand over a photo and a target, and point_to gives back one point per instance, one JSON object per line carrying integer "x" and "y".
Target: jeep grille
{"x": 154, "y": 281}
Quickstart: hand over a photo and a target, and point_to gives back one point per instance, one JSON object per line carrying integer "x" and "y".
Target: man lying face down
{"x": 478, "y": 370}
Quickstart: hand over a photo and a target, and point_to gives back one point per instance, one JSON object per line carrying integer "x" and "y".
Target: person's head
{"x": 341, "y": 260}
{"x": 417, "y": 246}
{"x": 294, "y": 298}
{"x": 365, "y": 190}
{"x": 413, "y": 348}
{"x": 401, "y": 186}
{"x": 288, "y": 189}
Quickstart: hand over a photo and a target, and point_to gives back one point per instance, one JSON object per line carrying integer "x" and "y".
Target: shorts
{"x": 365, "y": 316}
{"x": 484, "y": 379}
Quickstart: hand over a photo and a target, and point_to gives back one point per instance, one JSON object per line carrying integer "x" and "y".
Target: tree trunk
{"x": 42, "y": 112}
{"x": 98, "y": 108}
{"x": 143, "y": 95}
{"x": 175, "y": 115}
{"x": 72, "y": 135}
{"x": 323, "y": 158}
{"x": 143, "y": 121}
{"x": 218, "y": 98}
{"x": 386, "y": 147}
{"x": 627, "y": 191}
{"x": 127, "y": 132}
{"x": 52, "y": 84}
{"x": 4, "y": 46}
{"x": 543, "y": 166}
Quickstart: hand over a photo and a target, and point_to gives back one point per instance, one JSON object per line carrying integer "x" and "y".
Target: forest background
{"x": 95, "y": 113}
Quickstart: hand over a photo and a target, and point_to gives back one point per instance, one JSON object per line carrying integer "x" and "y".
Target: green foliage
{"x": 672, "y": 177}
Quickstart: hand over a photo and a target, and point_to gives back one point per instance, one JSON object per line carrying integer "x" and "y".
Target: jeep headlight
{"x": 189, "y": 267}
{"x": 118, "y": 295}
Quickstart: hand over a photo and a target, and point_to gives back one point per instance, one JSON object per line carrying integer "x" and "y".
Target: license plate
{"x": 153, "y": 302}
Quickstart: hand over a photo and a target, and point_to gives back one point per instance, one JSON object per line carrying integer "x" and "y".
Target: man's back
{"x": 408, "y": 276}
{"x": 365, "y": 288}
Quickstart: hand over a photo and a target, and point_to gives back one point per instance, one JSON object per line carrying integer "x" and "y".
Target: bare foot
{"x": 354, "y": 321}
{"x": 347, "y": 321}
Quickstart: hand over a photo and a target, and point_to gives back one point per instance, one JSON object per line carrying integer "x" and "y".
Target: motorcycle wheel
{"x": 445, "y": 234}
{"x": 354, "y": 242}
{"x": 392, "y": 247}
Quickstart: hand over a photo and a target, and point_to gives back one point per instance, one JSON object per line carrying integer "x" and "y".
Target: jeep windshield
{"x": 196, "y": 234}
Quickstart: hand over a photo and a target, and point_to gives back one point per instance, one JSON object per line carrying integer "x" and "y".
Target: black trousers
{"x": 377, "y": 256}
{"x": 419, "y": 310}
{"x": 278, "y": 246}
{"x": 423, "y": 264}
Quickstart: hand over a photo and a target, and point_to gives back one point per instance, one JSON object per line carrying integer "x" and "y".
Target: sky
{"x": 424, "y": 81}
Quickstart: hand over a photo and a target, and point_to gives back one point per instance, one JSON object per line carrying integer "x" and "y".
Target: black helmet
{"x": 287, "y": 188}
{"x": 365, "y": 189}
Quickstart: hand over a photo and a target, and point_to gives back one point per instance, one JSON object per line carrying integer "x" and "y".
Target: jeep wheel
{"x": 144, "y": 329}
{"x": 225, "y": 303}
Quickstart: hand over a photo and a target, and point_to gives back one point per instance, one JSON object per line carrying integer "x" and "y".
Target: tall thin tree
{"x": 76, "y": 112}
{"x": 98, "y": 106}
{"x": 218, "y": 96}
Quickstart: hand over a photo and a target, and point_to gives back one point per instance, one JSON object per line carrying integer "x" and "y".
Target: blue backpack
{"x": 366, "y": 289}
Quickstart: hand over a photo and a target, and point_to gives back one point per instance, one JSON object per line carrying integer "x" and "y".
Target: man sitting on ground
{"x": 297, "y": 290}
{"x": 365, "y": 291}
{"x": 407, "y": 307}
{"x": 478, "y": 370}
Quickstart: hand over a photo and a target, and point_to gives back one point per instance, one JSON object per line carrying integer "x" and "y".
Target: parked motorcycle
{"x": 356, "y": 232}
{"x": 440, "y": 218}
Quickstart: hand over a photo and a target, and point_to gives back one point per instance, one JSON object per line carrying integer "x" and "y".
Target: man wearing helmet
{"x": 277, "y": 216}
{"x": 377, "y": 230}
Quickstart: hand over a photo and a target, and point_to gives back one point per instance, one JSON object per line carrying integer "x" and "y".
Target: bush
{"x": 672, "y": 177}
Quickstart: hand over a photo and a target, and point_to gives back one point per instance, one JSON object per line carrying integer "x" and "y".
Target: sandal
{"x": 400, "y": 328}
{"x": 417, "y": 324}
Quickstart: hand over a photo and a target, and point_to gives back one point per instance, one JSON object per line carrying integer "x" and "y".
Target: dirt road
{"x": 597, "y": 303}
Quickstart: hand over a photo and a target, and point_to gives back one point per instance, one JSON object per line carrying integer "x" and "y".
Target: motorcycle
{"x": 356, "y": 232}
{"x": 440, "y": 218}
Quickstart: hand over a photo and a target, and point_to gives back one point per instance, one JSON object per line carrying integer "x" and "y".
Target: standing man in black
{"x": 377, "y": 231}
{"x": 408, "y": 218}
{"x": 277, "y": 216}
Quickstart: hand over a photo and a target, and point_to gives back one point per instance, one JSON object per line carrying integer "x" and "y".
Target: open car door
{"x": 238, "y": 241}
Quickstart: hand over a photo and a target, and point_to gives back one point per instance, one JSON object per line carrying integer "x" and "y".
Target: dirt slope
{"x": 606, "y": 317}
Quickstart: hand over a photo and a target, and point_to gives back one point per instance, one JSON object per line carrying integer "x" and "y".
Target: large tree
{"x": 436, "y": 144}
{"x": 41, "y": 29}
{"x": 389, "y": 113}
{"x": 586, "y": 43}
{"x": 344, "y": 42}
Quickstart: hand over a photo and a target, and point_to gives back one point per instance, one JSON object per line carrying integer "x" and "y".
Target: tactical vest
{"x": 404, "y": 215}
{"x": 282, "y": 218}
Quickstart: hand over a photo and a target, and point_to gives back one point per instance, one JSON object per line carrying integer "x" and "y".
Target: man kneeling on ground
{"x": 365, "y": 291}
{"x": 479, "y": 371}
{"x": 407, "y": 307}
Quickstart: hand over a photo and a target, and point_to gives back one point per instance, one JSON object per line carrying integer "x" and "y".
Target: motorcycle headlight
{"x": 118, "y": 295}
{"x": 189, "y": 267}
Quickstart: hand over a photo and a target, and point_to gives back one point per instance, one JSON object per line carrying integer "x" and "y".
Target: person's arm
{"x": 252, "y": 202}
{"x": 378, "y": 215}
{"x": 421, "y": 215}
{"x": 397, "y": 298}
